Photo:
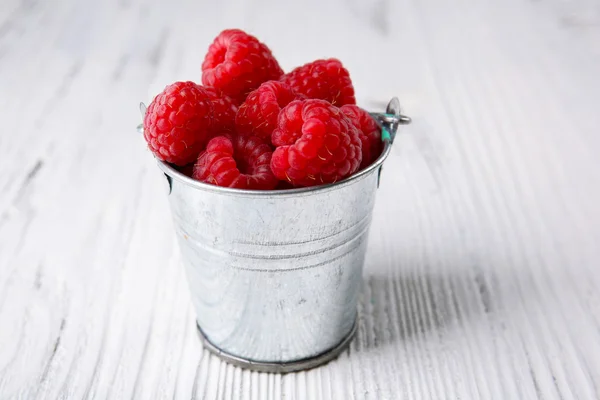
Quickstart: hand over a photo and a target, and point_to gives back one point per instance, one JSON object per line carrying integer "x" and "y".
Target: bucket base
{"x": 279, "y": 367}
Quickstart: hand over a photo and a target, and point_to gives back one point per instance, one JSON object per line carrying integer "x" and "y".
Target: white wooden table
{"x": 483, "y": 271}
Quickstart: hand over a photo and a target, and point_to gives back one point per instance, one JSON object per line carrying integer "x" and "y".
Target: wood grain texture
{"x": 482, "y": 278}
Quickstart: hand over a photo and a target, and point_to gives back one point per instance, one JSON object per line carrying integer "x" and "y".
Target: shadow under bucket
{"x": 275, "y": 275}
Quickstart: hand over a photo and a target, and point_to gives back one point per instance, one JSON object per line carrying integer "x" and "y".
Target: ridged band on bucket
{"x": 275, "y": 275}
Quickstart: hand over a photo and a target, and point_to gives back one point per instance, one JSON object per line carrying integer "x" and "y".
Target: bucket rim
{"x": 172, "y": 173}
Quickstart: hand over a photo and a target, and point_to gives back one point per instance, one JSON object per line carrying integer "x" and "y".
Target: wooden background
{"x": 483, "y": 268}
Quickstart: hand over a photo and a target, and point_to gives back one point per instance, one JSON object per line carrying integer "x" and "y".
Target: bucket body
{"x": 274, "y": 276}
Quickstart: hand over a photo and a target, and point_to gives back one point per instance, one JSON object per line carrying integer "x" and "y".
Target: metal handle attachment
{"x": 389, "y": 123}
{"x": 391, "y": 120}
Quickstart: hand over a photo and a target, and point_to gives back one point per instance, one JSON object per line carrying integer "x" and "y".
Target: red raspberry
{"x": 370, "y": 133}
{"x": 225, "y": 111}
{"x": 238, "y": 162}
{"x": 317, "y": 144}
{"x": 323, "y": 79}
{"x": 237, "y": 63}
{"x": 258, "y": 114}
{"x": 178, "y": 122}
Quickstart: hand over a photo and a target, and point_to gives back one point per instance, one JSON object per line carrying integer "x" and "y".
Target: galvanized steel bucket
{"x": 275, "y": 275}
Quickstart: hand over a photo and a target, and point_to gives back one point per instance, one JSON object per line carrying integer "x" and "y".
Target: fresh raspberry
{"x": 257, "y": 116}
{"x": 225, "y": 111}
{"x": 370, "y": 133}
{"x": 237, "y": 162}
{"x": 178, "y": 122}
{"x": 323, "y": 79}
{"x": 237, "y": 63}
{"x": 317, "y": 144}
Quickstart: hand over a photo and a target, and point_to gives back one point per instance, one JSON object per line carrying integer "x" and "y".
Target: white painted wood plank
{"x": 481, "y": 279}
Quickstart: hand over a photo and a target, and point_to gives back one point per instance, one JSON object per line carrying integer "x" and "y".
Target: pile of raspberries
{"x": 250, "y": 126}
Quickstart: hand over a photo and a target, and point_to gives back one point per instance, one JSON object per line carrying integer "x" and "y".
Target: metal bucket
{"x": 275, "y": 275}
